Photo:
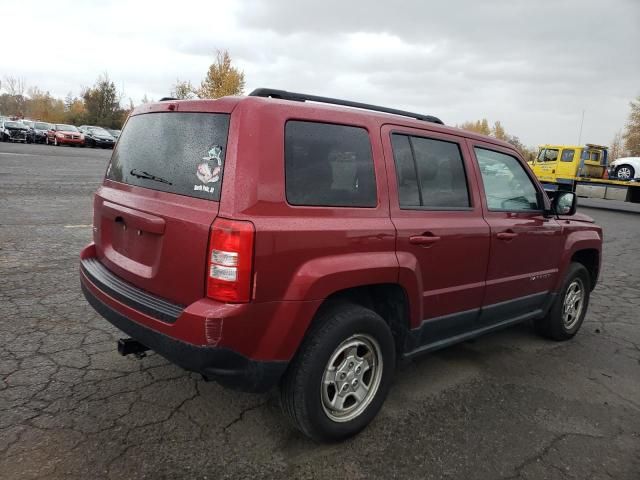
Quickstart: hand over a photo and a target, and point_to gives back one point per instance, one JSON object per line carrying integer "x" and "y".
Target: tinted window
{"x": 328, "y": 165}
{"x": 567, "y": 155}
{"x": 506, "y": 184}
{"x": 173, "y": 152}
{"x": 430, "y": 173}
{"x": 408, "y": 191}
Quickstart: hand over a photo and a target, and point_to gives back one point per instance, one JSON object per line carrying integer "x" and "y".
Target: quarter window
{"x": 328, "y": 165}
{"x": 430, "y": 173}
{"x": 506, "y": 184}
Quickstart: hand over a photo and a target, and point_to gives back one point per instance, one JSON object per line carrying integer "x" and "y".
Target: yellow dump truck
{"x": 581, "y": 169}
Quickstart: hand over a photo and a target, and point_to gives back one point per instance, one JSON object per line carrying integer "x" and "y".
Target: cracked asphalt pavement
{"x": 507, "y": 405}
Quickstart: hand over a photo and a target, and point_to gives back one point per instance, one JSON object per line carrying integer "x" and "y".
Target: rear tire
{"x": 567, "y": 313}
{"x": 350, "y": 350}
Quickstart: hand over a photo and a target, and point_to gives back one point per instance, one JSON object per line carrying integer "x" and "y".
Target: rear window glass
{"x": 328, "y": 165}
{"x": 175, "y": 152}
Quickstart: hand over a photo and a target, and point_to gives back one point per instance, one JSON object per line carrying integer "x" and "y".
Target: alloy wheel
{"x": 351, "y": 378}
{"x": 624, "y": 173}
{"x": 573, "y": 304}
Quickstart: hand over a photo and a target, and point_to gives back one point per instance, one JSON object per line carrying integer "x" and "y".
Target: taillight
{"x": 230, "y": 260}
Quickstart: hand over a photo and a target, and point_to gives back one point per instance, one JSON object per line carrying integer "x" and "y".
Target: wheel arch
{"x": 585, "y": 247}
{"x": 590, "y": 259}
{"x": 389, "y": 300}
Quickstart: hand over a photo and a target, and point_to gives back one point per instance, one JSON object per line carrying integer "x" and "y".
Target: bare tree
{"x": 616, "y": 149}
{"x": 631, "y": 134}
{"x": 15, "y": 86}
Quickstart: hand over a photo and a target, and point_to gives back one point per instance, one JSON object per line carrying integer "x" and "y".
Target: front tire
{"x": 624, "y": 172}
{"x": 55, "y": 142}
{"x": 342, "y": 373}
{"x": 567, "y": 313}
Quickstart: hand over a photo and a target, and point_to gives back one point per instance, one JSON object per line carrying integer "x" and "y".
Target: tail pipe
{"x": 128, "y": 346}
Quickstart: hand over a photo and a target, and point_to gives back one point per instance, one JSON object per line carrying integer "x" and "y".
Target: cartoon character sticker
{"x": 209, "y": 170}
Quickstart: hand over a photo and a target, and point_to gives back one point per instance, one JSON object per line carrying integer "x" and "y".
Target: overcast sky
{"x": 534, "y": 65}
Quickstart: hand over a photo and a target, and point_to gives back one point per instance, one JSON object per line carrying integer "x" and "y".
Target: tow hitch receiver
{"x": 128, "y": 346}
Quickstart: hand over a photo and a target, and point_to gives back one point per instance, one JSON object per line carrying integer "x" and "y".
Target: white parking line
{"x": 77, "y": 226}
{"x": 24, "y": 154}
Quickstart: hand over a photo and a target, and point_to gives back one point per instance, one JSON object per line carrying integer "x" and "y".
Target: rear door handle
{"x": 506, "y": 235}
{"x": 424, "y": 240}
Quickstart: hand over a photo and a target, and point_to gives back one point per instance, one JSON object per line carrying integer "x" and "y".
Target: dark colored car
{"x": 29, "y": 124}
{"x": 14, "y": 131}
{"x": 39, "y": 131}
{"x": 114, "y": 133}
{"x": 97, "y": 137}
{"x": 271, "y": 242}
{"x": 62, "y": 134}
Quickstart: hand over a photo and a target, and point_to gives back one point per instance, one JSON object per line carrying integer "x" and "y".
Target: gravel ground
{"x": 508, "y": 405}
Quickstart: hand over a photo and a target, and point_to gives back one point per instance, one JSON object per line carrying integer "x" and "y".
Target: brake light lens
{"x": 230, "y": 260}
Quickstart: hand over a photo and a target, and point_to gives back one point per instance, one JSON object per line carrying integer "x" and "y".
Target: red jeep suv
{"x": 283, "y": 239}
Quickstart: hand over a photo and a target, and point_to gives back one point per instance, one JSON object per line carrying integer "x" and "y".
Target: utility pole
{"x": 581, "y": 124}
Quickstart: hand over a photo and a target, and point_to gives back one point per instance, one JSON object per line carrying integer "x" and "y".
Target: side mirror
{"x": 564, "y": 203}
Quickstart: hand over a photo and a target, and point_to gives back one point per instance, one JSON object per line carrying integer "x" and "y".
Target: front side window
{"x": 567, "y": 155}
{"x": 328, "y": 165}
{"x": 506, "y": 184}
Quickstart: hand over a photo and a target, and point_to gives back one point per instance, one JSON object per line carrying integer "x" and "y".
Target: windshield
{"x": 177, "y": 152}
{"x": 28, "y": 123}
{"x": 66, "y": 128}
{"x": 42, "y": 126}
{"x": 14, "y": 125}
{"x": 548, "y": 155}
{"x": 99, "y": 131}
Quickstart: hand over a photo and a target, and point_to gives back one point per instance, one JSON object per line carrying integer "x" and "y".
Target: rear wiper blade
{"x": 149, "y": 176}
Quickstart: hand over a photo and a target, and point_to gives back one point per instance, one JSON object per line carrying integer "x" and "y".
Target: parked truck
{"x": 584, "y": 170}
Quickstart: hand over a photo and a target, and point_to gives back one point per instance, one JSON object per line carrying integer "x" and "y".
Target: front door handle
{"x": 424, "y": 240}
{"x": 507, "y": 235}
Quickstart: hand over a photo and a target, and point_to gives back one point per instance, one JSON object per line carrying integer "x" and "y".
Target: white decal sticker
{"x": 209, "y": 170}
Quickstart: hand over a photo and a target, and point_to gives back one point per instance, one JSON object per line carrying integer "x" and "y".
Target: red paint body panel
{"x": 447, "y": 276}
{"x": 304, "y": 254}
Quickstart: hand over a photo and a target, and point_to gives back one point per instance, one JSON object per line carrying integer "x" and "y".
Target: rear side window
{"x": 175, "y": 152}
{"x": 328, "y": 165}
{"x": 567, "y": 155}
{"x": 430, "y": 173}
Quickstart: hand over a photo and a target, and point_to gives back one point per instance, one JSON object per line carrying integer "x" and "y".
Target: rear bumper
{"x": 247, "y": 346}
{"x": 227, "y": 367}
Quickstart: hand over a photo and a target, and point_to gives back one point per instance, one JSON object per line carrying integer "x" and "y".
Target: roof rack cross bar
{"x": 303, "y": 97}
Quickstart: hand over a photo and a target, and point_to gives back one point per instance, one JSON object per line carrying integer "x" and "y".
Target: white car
{"x": 626, "y": 168}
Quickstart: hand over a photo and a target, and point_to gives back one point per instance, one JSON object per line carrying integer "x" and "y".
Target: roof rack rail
{"x": 303, "y": 97}
{"x": 166, "y": 99}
